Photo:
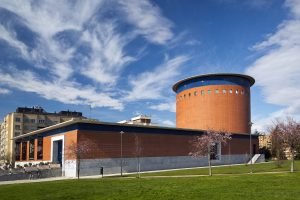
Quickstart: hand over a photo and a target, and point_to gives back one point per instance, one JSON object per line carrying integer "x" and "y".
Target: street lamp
{"x": 121, "y": 134}
{"x": 250, "y": 136}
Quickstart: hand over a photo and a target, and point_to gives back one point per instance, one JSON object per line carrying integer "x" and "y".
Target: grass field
{"x": 233, "y": 186}
{"x": 256, "y": 186}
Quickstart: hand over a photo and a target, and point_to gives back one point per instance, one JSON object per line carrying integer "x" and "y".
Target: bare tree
{"x": 79, "y": 150}
{"x": 137, "y": 152}
{"x": 204, "y": 144}
{"x": 289, "y": 133}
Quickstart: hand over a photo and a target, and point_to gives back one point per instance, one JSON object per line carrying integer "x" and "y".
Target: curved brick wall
{"x": 225, "y": 107}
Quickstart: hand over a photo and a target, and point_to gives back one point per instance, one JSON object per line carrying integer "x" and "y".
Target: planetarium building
{"x": 204, "y": 102}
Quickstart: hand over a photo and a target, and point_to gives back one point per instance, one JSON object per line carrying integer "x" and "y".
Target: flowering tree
{"x": 288, "y": 134}
{"x": 78, "y": 150}
{"x": 202, "y": 145}
{"x": 277, "y": 149}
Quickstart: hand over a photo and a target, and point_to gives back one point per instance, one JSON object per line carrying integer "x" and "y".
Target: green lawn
{"x": 256, "y": 186}
{"x": 236, "y": 169}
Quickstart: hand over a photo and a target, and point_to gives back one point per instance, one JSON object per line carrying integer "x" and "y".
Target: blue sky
{"x": 122, "y": 57}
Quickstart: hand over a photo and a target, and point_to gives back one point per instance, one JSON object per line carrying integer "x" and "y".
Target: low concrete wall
{"x": 22, "y": 175}
{"x": 90, "y": 167}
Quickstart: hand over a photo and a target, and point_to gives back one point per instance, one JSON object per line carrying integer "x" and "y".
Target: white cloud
{"x": 277, "y": 72}
{"x": 4, "y": 91}
{"x": 107, "y": 57}
{"x": 55, "y": 66}
{"x": 151, "y": 85}
{"x": 167, "y": 123}
{"x": 148, "y": 20}
{"x": 169, "y": 106}
{"x": 65, "y": 92}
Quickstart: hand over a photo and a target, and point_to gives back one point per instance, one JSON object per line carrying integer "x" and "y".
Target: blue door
{"x": 59, "y": 151}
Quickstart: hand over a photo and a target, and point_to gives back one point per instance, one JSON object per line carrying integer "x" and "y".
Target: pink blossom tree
{"x": 79, "y": 150}
{"x": 288, "y": 133}
{"x": 202, "y": 145}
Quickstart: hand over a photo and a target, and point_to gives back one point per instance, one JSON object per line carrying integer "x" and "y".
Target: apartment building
{"x": 25, "y": 120}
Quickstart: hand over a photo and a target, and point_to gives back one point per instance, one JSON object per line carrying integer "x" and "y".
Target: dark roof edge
{"x": 249, "y": 78}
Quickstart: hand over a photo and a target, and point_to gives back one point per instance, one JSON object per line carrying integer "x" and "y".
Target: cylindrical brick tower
{"x": 214, "y": 101}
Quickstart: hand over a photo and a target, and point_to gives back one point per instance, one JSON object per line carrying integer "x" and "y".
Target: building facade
{"x": 220, "y": 102}
{"x": 26, "y": 120}
{"x": 115, "y": 146}
{"x": 206, "y": 102}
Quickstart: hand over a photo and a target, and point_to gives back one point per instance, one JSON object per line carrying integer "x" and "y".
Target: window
{"x": 202, "y": 92}
{"x": 195, "y": 93}
{"x": 32, "y": 120}
{"x": 41, "y": 121}
{"x": 224, "y": 91}
{"x": 17, "y": 127}
{"x": 17, "y": 134}
{"x": 189, "y": 94}
{"x": 217, "y": 91}
{"x": 26, "y": 120}
{"x": 236, "y": 91}
{"x": 31, "y": 150}
{"x": 215, "y": 151}
{"x": 24, "y": 150}
{"x": 40, "y": 149}
{"x": 230, "y": 91}
{"x": 184, "y": 96}
{"x": 208, "y": 91}
{"x": 242, "y": 92}
{"x": 17, "y": 151}
{"x": 18, "y": 119}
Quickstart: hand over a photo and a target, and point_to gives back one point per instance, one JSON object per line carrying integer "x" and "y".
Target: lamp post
{"x": 121, "y": 134}
{"x": 250, "y": 136}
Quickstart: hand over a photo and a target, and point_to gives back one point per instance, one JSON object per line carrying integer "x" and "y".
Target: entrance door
{"x": 57, "y": 151}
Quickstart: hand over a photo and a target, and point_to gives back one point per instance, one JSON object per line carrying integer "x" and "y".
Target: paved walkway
{"x": 33, "y": 180}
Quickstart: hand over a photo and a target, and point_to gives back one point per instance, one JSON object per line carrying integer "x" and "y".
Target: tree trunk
{"x": 78, "y": 168}
{"x": 209, "y": 164}
{"x": 292, "y": 164}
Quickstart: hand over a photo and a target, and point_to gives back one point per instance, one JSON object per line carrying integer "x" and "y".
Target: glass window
{"x": 208, "y": 91}
{"x": 202, "y": 92}
{"x": 189, "y": 94}
{"x": 17, "y": 151}
{"x": 242, "y": 92}
{"x": 18, "y": 119}
{"x": 32, "y": 120}
{"x": 17, "y": 134}
{"x": 31, "y": 150}
{"x": 230, "y": 91}
{"x": 17, "y": 127}
{"x": 184, "y": 96}
{"x": 24, "y": 150}
{"x": 195, "y": 93}
{"x": 236, "y": 91}
{"x": 215, "y": 151}
{"x": 41, "y": 121}
{"x": 217, "y": 91}
{"x": 40, "y": 149}
{"x": 224, "y": 91}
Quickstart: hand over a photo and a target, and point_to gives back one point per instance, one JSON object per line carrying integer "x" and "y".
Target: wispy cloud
{"x": 74, "y": 40}
{"x": 151, "y": 84}
{"x": 169, "y": 106}
{"x": 65, "y": 92}
{"x": 277, "y": 72}
{"x": 4, "y": 91}
{"x": 148, "y": 20}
